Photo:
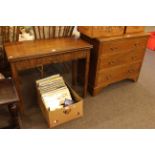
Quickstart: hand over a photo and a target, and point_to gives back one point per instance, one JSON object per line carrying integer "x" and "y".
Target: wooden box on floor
{"x": 60, "y": 116}
{"x": 134, "y": 29}
{"x": 101, "y": 31}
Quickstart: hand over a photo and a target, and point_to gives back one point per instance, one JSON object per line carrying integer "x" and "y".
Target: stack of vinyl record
{"x": 54, "y": 92}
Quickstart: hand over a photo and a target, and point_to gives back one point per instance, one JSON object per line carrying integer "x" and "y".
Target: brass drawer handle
{"x": 136, "y": 44}
{"x": 78, "y": 113}
{"x": 111, "y": 62}
{"x": 114, "y": 48}
{"x": 133, "y": 57}
{"x": 67, "y": 110}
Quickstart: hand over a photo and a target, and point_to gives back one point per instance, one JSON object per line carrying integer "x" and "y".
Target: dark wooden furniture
{"x": 115, "y": 58}
{"x": 7, "y": 34}
{"x": 25, "y": 55}
{"x": 9, "y": 97}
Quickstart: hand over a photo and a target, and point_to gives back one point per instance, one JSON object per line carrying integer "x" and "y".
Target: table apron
{"x": 44, "y": 60}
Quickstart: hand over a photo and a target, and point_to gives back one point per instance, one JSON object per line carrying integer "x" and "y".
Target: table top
{"x": 31, "y": 49}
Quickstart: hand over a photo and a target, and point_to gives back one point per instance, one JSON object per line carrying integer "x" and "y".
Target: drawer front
{"x": 123, "y": 45}
{"x": 115, "y": 74}
{"x": 107, "y": 61}
{"x": 59, "y": 58}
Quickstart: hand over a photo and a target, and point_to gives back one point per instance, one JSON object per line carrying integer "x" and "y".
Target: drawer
{"x": 115, "y": 74}
{"x": 122, "y": 45}
{"x": 107, "y": 61}
{"x": 44, "y": 60}
{"x": 134, "y": 56}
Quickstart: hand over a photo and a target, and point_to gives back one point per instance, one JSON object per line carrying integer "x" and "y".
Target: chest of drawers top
{"x": 123, "y": 37}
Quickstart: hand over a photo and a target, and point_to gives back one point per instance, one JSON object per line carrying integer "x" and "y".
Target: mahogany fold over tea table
{"x": 31, "y": 54}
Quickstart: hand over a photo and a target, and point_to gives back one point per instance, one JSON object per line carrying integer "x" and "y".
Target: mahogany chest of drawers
{"x": 114, "y": 59}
